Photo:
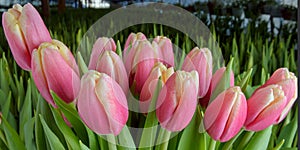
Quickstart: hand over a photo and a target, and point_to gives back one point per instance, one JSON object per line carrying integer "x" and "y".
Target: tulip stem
{"x": 212, "y": 144}
{"x": 163, "y": 138}
{"x": 245, "y": 140}
{"x": 111, "y": 141}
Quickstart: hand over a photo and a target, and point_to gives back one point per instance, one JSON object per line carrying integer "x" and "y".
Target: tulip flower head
{"x": 102, "y": 44}
{"x": 264, "y": 107}
{"x": 158, "y": 71}
{"x": 288, "y": 81}
{"x": 166, "y": 49}
{"x": 111, "y": 64}
{"x": 132, "y": 38}
{"x": 225, "y": 116}
{"x": 201, "y": 61}
{"x": 54, "y": 68}
{"x": 25, "y": 31}
{"x": 177, "y": 100}
{"x": 102, "y": 104}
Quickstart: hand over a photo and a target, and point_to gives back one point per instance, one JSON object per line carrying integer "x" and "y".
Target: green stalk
{"x": 163, "y": 136}
{"x": 111, "y": 141}
{"x": 212, "y": 144}
{"x": 245, "y": 139}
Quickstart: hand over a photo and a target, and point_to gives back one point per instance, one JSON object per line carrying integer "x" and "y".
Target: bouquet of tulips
{"x": 137, "y": 97}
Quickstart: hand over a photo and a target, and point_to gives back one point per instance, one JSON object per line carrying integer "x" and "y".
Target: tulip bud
{"x": 166, "y": 49}
{"x": 139, "y": 63}
{"x": 225, "y": 116}
{"x": 201, "y": 61}
{"x": 111, "y": 64}
{"x": 101, "y": 44}
{"x": 54, "y": 68}
{"x": 177, "y": 100}
{"x": 25, "y": 31}
{"x": 131, "y": 39}
{"x": 214, "y": 81}
{"x": 102, "y": 104}
{"x": 264, "y": 107}
{"x": 288, "y": 81}
{"x": 158, "y": 71}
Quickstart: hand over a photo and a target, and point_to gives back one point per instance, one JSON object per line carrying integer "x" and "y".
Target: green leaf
{"x": 71, "y": 114}
{"x": 244, "y": 83}
{"x": 125, "y": 140}
{"x": 26, "y": 111}
{"x": 28, "y": 134}
{"x": 260, "y": 140}
{"x": 12, "y": 137}
{"x": 82, "y": 146}
{"x": 191, "y": 138}
{"x": 39, "y": 133}
{"x": 82, "y": 66}
{"x": 71, "y": 139}
{"x": 288, "y": 132}
{"x": 53, "y": 140}
{"x": 93, "y": 142}
{"x": 119, "y": 49}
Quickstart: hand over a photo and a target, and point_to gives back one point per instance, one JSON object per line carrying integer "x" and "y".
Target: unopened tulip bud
{"x": 201, "y": 61}
{"x": 225, "y": 116}
{"x": 102, "y": 104}
{"x": 25, "y": 31}
{"x": 177, "y": 101}
{"x": 166, "y": 49}
{"x": 288, "y": 81}
{"x": 158, "y": 71}
{"x": 54, "y": 68}
{"x": 102, "y": 44}
{"x": 216, "y": 78}
{"x": 133, "y": 37}
{"x": 111, "y": 64}
{"x": 264, "y": 107}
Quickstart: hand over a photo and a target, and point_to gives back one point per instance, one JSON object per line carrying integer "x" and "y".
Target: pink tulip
{"x": 139, "y": 63}
{"x": 201, "y": 61}
{"x": 214, "y": 81}
{"x": 288, "y": 81}
{"x": 111, "y": 64}
{"x": 166, "y": 49}
{"x": 54, "y": 68}
{"x": 177, "y": 100}
{"x": 102, "y": 104}
{"x": 264, "y": 107}
{"x": 25, "y": 31}
{"x": 225, "y": 116}
{"x": 132, "y": 38}
{"x": 101, "y": 44}
{"x": 158, "y": 71}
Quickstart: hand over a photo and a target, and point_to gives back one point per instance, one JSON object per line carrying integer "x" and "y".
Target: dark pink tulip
{"x": 132, "y": 38}
{"x": 111, "y": 64}
{"x": 54, "y": 68}
{"x": 158, "y": 71}
{"x": 25, "y": 31}
{"x": 102, "y": 104}
{"x": 139, "y": 63}
{"x": 166, "y": 49}
{"x": 214, "y": 81}
{"x": 288, "y": 81}
{"x": 264, "y": 107}
{"x": 101, "y": 44}
{"x": 225, "y": 116}
{"x": 201, "y": 61}
{"x": 177, "y": 100}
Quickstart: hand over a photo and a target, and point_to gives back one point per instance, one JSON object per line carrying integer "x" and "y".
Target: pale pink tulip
{"x": 201, "y": 61}
{"x": 166, "y": 49}
{"x": 216, "y": 78}
{"x": 225, "y": 116}
{"x": 102, "y": 104}
{"x": 54, "y": 68}
{"x": 288, "y": 81}
{"x": 101, "y": 44}
{"x": 158, "y": 71}
{"x": 264, "y": 107}
{"x": 25, "y": 31}
{"x": 111, "y": 64}
{"x": 177, "y": 101}
{"x": 132, "y": 38}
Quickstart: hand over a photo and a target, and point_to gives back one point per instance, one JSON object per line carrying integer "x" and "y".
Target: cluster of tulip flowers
{"x": 101, "y": 93}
